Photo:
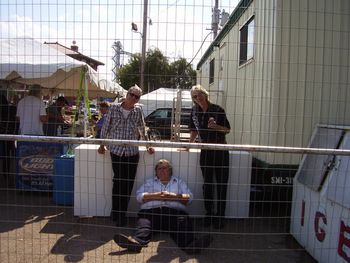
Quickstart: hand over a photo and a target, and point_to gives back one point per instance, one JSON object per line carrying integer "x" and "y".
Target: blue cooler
{"x": 63, "y": 180}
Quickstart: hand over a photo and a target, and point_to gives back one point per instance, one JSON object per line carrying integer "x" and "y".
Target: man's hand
{"x": 150, "y": 150}
{"x": 101, "y": 149}
{"x": 212, "y": 123}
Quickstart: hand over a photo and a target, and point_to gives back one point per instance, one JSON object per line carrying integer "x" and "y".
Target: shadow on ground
{"x": 34, "y": 229}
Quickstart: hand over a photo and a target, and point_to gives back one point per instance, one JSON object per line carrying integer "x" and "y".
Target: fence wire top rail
{"x": 184, "y": 145}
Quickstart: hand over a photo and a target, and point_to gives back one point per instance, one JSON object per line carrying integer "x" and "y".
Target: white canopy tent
{"x": 164, "y": 98}
{"x": 27, "y": 61}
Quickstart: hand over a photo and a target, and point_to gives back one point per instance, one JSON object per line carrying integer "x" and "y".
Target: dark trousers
{"x": 215, "y": 164}
{"x": 7, "y": 153}
{"x": 174, "y": 221}
{"x": 124, "y": 169}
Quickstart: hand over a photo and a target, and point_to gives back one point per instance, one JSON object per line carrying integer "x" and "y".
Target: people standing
{"x": 163, "y": 200}
{"x": 31, "y": 112}
{"x": 104, "y": 106}
{"x": 124, "y": 121}
{"x": 55, "y": 118}
{"x": 8, "y": 125}
{"x": 209, "y": 124}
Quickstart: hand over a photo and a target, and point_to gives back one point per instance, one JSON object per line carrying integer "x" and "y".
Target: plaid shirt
{"x": 117, "y": 127}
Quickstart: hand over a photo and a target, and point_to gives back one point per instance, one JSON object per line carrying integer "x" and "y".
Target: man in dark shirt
{"x": 55, "y": 118}
{"x": 210, "y": 125}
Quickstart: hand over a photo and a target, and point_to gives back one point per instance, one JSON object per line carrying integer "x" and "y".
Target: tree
{"x": 129, "y": 74}
{"x": 182, "y": 74}
{"x": 158, "y": 72}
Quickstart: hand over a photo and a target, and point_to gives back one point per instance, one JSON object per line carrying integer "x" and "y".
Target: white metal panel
{"x": 339, "y": 185}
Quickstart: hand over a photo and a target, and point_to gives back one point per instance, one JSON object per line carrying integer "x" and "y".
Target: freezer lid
{"x": 314, "y": 168}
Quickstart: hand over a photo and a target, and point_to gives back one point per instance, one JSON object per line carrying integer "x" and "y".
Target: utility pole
{"x": 144, "y": 38}
{"x": 215, "y": 18}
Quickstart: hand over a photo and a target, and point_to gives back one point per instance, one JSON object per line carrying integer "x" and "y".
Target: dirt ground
{"x": 34, "y": 229}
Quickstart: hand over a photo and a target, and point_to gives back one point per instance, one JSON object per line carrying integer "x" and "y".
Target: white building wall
{"x": 299, "y": 75}
{"x": 312, "y": 57}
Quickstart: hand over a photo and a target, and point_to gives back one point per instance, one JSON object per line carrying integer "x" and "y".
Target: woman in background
{"x": 104, "y": 106}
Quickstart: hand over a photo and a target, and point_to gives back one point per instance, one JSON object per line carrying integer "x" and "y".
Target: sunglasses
{"x": 194, "y": 96}
{"x": 134, "y": 95}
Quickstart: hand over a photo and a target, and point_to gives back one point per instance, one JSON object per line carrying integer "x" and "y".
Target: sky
{"x": 178, "y": 27}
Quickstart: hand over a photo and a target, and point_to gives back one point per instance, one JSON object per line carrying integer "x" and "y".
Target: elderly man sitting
{"x": 163, "y": 203}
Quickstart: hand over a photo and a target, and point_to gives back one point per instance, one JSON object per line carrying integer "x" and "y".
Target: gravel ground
{"x": 34, "y": 229}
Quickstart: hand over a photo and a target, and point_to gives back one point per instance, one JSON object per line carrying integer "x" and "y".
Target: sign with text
{"x": 35, "y": 165}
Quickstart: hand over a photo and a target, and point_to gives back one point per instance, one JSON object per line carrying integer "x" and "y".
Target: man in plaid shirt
{"x": 124, "y": 121}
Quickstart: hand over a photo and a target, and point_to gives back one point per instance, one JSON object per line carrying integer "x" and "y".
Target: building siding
{"x": 297, "y": 78}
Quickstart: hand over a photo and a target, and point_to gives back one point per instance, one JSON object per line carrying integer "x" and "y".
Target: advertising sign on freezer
{"x": 321, "y": 198}
{"x": 35, "y": 165}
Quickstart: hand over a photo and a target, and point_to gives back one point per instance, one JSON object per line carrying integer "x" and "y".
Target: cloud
{"x": 24, "y": 26}
{"x": 178, "y": 28}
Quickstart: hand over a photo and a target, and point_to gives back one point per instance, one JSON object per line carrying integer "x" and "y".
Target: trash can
{"x": 63, "y": 180}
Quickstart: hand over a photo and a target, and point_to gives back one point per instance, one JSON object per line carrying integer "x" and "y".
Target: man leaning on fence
{"x": 163, "y": 201}
{"x": 124, "y": 121}
{"x": 209, "y": 124}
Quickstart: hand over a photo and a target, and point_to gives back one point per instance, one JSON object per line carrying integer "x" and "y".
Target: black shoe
{"x": 198, "y": 244}
{"x": 219, "y": 223}
{"x": 127, "y": 242}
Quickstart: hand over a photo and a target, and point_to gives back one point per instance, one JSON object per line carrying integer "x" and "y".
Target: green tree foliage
{"x": 129, "y": 74}
{"x": 158, "y": 72}
{"x": 182, "y": 74}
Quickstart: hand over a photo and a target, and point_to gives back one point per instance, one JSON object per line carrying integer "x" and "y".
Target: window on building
{"x": 221, "y": 64}
{"x": 246, "y": 51}
{"x": 211, "y": 71}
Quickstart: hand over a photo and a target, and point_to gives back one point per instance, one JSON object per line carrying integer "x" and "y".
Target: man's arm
{"x": 193, "y": 135}
{"x": 142, "y": 131}
{"x": 43, "y": 115}
{"x": 166, "y": 196}
{"x": 43, "y": 118}
{"x": 105, "y": 129}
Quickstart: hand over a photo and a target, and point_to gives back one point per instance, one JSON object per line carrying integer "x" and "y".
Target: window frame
{"x": 246, "y": 44}
{"x": 211, "y": 71}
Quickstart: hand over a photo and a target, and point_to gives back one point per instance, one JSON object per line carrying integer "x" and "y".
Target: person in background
{"x": 55, "y": 118}
{"x": 163, "y": 200}
{"x": 8, "y": 125}
{"x": 104, "y": 106}
{"x": 124, "y": 121}
{"x": 209, "y": 124}
{"x": 31, "y": 112}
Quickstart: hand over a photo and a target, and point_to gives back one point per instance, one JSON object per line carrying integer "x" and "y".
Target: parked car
{"x": 160, "y": 121}
{"x": 93, "y": 109}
